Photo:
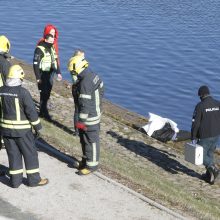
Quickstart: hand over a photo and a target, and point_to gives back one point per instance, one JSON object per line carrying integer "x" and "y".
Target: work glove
{"x": 194, "y": 142}
{"x": 81, "y": 126}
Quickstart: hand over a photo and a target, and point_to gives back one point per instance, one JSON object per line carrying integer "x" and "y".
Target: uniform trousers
{"x": 45, "y": 88}
{"x": 90, "y": 146}
{"x": 19, "y": 148}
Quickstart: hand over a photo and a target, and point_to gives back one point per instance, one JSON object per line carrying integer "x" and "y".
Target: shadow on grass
{"x": 159, "y": 157}
{"x": 54, "y": 122}
{"x": 44, "y": 147}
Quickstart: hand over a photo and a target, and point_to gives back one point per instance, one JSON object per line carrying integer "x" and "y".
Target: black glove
{"x": 37, "y": 134}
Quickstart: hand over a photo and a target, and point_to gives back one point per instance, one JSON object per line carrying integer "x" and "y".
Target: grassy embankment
{"x": 164, "y": 191}
{"x": 172, "y": 194}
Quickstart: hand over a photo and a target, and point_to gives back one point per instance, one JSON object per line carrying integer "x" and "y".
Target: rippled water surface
{"x": 152, "y": 55}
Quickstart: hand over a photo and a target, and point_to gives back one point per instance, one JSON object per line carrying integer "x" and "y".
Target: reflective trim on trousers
{"x": 92, "y": 164}
{"x": 14, "y": 172}
{"x": 32, "y": 171}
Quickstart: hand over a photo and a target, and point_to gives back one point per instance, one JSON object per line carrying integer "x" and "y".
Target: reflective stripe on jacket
{"x": 17, "y": 111}
{"x": 49, "y": 60}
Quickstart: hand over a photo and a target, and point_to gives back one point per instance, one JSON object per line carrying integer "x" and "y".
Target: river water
{"x": 152, "y": 54}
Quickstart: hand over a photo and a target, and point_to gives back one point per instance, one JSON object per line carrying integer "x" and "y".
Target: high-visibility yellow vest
{"x": 49, "y": 60}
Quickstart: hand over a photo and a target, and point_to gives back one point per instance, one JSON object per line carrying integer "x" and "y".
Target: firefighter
{"x": 89, "y": 93}
{"x": 46, "y": 63}
{"x": 18, "y": 116}
{"x": 4, "y": 64}
{"x": 75, "y": 81}
{"x": 4, "y": 58}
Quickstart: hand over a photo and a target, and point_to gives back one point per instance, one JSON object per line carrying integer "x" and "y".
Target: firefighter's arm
{"x": 85, "y": 102}
{"x": 31, "y": 112}
{"x": 38, "y": 55}
{"x": 196, "y": 120}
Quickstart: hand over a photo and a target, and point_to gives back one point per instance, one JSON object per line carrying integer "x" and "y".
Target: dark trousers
{"x": 45, "y": 88}
{"x": 90, "y": 147}
{"x": 18, "y": 148}
{"x": 209, "y": 146}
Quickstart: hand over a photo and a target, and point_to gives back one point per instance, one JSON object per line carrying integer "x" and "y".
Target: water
{"x": 152, "y": 54}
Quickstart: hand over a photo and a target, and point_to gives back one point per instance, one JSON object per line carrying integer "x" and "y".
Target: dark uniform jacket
{"x": 89, "y": 93}
{"x": 206, "y": 119}
{"x": 4, "y": 68}
{"x": 38, "y": 55}
{"x": 17, "y": 112}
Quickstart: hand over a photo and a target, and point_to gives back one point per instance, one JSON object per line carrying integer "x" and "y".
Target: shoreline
{"x": 111, "y": 109}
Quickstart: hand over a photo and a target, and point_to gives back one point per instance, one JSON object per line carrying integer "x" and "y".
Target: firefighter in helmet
{"x": 4, "y": 58}
{"x": 4, "y": 65}
{"x": 88, "y": 98}
{"x": 18, "y": 116}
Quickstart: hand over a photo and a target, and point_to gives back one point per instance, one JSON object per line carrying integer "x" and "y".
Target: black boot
{"x": 44, "y": 111}
{"x": 214, "y": 172}
{"x": 206, "y": 176}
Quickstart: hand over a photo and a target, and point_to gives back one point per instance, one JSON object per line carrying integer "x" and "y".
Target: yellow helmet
{"x": 4, "y": 44}
{"x": 16, "y": 72}
{"x": 77, "y": 64}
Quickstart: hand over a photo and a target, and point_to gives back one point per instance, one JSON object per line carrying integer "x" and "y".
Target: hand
{"x": 39, "y": 81}
{"x": 194, "y": 142}
{"x": 59, "y": 77}
{"x": 2, "y": 145}
{"x": 81, "y": 126}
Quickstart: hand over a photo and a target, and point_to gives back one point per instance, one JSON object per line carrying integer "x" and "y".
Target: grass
{"x": 171, "y": 194}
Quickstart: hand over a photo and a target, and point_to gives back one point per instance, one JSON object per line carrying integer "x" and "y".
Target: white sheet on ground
{"x": 156, "y": 122}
